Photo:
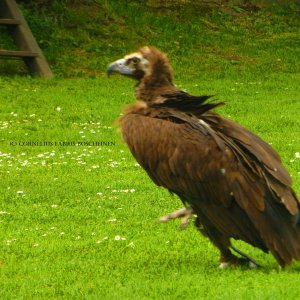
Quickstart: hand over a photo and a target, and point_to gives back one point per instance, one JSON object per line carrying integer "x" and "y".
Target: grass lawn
{"x": 80, "y": 220}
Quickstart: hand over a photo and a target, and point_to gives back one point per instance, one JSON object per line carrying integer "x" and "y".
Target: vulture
{"x": 226, "y": 176}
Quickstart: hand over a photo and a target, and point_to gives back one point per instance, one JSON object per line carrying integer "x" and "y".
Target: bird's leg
{"x": 222, "y": 242}
{"x": 184, "y": 213}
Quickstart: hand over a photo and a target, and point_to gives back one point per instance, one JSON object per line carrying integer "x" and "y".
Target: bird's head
{"x": 147, "y": 62}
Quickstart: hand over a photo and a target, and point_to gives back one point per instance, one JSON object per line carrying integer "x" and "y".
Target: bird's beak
{"x": 119, "y": 66}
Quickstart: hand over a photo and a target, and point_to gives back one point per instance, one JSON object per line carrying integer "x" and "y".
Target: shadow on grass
{"x": 12, "y": 68}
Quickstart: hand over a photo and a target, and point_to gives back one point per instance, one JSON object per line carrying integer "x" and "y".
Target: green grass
{"x": 80, "y": 222}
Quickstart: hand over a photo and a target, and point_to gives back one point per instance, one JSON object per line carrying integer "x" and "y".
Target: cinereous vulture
{"x": 224, "y": 174}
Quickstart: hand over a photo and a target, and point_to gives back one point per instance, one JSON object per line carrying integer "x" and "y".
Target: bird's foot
{"x": 234, "y": 261}
{"x": 185, "y": 214}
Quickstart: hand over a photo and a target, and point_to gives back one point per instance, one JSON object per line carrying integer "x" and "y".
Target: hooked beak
{"x": 119, "y": 66}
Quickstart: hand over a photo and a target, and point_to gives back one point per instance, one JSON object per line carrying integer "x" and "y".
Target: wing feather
{"x": 258, "y": 155}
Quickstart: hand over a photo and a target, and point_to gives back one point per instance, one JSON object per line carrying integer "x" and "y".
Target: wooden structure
{"x": 28, "y": 49}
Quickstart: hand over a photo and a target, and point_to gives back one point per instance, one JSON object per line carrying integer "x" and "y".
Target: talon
{"x": 185, "y": 221}
{"x": 185, "y": 214}
{"x": 224, "y": 265}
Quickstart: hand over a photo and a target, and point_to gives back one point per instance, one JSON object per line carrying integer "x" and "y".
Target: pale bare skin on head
{"x": 151, "y": 69}
{"x": 137, "y": 61}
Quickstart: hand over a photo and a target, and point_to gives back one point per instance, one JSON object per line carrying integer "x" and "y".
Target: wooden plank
{"x": 25, "y": 40}
{"x": 7, "y": 21}
{"x": 10, "y": 53}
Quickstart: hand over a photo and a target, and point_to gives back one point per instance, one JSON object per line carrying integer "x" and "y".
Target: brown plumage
{"x": 230, "y": 178}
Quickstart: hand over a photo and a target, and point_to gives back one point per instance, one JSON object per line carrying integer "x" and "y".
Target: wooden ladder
{"x": 28, "y": 49}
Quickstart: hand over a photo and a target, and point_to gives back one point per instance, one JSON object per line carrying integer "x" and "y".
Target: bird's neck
{"x": 150, "y": 88}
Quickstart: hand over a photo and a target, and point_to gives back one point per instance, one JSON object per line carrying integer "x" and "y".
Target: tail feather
{"x": 280, "y": 232}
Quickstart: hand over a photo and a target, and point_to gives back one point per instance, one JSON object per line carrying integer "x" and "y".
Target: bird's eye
{"x": 135, "y": 60}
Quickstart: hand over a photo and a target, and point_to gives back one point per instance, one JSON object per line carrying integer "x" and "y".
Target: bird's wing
{"x": 178, "y": 144}
{"x": 259, "y": 156}
{"x": 213, "y": 173}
